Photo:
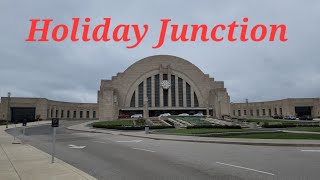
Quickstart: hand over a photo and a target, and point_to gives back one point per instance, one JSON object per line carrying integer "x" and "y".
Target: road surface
{"x": 107, "y": 156}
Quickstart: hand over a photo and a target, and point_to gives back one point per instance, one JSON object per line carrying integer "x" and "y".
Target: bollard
{"x": 146, "y": 129}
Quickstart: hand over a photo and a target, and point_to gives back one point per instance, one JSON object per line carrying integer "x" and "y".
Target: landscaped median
{"x": 126, "y": 124}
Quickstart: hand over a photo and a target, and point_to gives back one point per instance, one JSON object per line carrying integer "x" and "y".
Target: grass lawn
{"x": 201, "y": 131}
{"x": 276, "y": 136}
{"x": 312, "y": 129}
{"x": 114, "y": 123}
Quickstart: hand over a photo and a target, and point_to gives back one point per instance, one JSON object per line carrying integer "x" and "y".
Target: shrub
{"x": 213, "y": 127}
{"x": 278, "y": 125}
{"x": 160, "y": 127}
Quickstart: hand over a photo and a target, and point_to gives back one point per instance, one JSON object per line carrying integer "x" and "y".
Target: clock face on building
{"x": 165, "y": 84}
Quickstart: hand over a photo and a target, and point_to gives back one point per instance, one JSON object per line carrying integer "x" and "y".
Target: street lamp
{"x": 8, "y": 115}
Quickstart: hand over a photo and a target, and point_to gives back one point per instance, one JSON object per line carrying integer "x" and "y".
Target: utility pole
{"x": 9, "y": 112}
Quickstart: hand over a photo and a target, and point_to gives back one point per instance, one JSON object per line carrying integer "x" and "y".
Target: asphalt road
{"x": 107, "y": 156}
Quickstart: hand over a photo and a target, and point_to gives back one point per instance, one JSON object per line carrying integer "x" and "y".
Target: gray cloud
{"x": 72, "y": 71}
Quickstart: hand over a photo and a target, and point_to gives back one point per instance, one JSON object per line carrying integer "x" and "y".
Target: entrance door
{"x": 18, "y": 114}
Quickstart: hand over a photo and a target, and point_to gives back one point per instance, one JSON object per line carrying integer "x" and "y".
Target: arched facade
{"x": 160, "y": 84}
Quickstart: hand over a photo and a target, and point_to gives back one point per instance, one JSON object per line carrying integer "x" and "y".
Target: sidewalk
{"x": 25, "y": 162}
{"x": 241, "y": 141}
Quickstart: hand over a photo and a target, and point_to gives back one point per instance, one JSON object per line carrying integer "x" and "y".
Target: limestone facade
{"x": 48, "y": 109}
{"x": 285, "y": 107}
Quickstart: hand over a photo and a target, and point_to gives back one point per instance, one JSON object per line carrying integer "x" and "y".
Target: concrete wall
{"x": 283, "y": 107}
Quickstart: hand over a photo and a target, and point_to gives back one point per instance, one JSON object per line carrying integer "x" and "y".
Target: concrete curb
{"x": 62, "y": 163}
{"x": 192, "y": 140}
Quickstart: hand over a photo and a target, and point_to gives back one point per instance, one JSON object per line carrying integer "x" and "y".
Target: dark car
{"x": 277, "y": 117}
{"x": 305, "y": 117}
{"x": 123, "y": 116}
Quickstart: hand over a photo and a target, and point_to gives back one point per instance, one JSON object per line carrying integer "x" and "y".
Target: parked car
{"x": 123, "y": 116}
{"x": 165, "y": 115}
{"x": 277, "y": 117}
{"x": 305, "y": 117}
{"x": 184, "y": 114}
{"x": 198, "y": 114}
{"x": 136, "y": 116}
{"x": 289, "y": 117}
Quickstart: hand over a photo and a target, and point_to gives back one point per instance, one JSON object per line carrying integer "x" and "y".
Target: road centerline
{"x": 241, "y": 167}
{"x": 143, "y": 149}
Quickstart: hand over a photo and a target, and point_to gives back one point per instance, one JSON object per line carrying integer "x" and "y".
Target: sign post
{"x": 54, "y": 125}
{"x": 15, "y": 133}
{"x": 24, "y": 124}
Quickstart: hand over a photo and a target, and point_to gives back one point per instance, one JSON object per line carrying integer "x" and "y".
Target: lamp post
{"x": 8, "y": 115}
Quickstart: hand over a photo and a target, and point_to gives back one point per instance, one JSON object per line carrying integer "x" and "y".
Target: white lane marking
{"x": 100, "y": 142}
{"x": 310, "y": 150}
{"x": 76, "y": 147}
{"x": 143, "y": 149}
{"x": 245, "y": 168}
{"x": 129, "y": 141}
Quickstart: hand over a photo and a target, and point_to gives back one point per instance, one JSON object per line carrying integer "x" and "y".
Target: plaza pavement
{"x": 141, "y": 134}
{"x": 25, "y": 162}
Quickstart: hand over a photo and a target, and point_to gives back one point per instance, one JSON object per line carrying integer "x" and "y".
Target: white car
{"x": 198, "y": 114}
{"x": 165, "y": 115}
{"x": 184, "y": 114}
{"x": 136, "y": 116}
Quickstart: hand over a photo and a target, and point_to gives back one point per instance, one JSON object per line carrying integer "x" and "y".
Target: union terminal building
{"x": 152, "y": 86}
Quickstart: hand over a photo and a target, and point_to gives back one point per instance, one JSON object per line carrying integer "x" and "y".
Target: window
{"x": 188, "y": 94}
{"x": 157, "y": 90}
{"x": 62, "y": 111}
{"x": 140, "y": 95}
{"x": 149, "y": 90}
{"x": 275, "y": 111}
{"x": 173, "y": 90}
{"x": 269, "y": 112}
{"x": 133, "y": 100}
{"x": 180, "y": 92}
{"x": 239, "y": 112}
{"x": 234, "y": 112}
{"x": 88, "y": 114}
{"x": 68, "y": 114}
{"x": 74, "y": 114}
{"x": 258, "y": 112}
{"x": 165, "y": 76}
{"x": 81, "y": 114}
{"x": 51, "y": 113}
{"x": 165, "y": 97}
{"x": 263, "y": 112}
{"x": 57, "y": 113}
{"x": 280, "y": 111}
{"x": 196, "y": 102}
{"x": 245, "y": 112}
{"x": 94, "y": 114}
{"x": 48, "y": 111}
{"x": 251, "y": 112}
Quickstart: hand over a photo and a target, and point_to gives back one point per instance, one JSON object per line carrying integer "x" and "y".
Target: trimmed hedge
{"x": 213, "y": 127}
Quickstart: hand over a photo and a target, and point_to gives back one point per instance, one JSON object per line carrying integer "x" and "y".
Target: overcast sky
{"x": 72, "y": 71}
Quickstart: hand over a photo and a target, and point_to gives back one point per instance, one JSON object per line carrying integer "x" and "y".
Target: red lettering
{"x": 274, "y": 29}
{"x": 44, "y": 30}
{"x": 195, "y": 29}
{"x": 55, "y": 32}
{"x": 254, "y": 32}
{"x": 214, "y": 32}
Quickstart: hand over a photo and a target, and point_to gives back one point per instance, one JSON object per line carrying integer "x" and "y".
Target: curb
{"x": 206, "y": 141}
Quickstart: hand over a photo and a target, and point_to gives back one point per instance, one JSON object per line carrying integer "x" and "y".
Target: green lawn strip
{"x": 275, "y": 136}
{"x": 312, "y": 129}
{"x": 201, "y": 131}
